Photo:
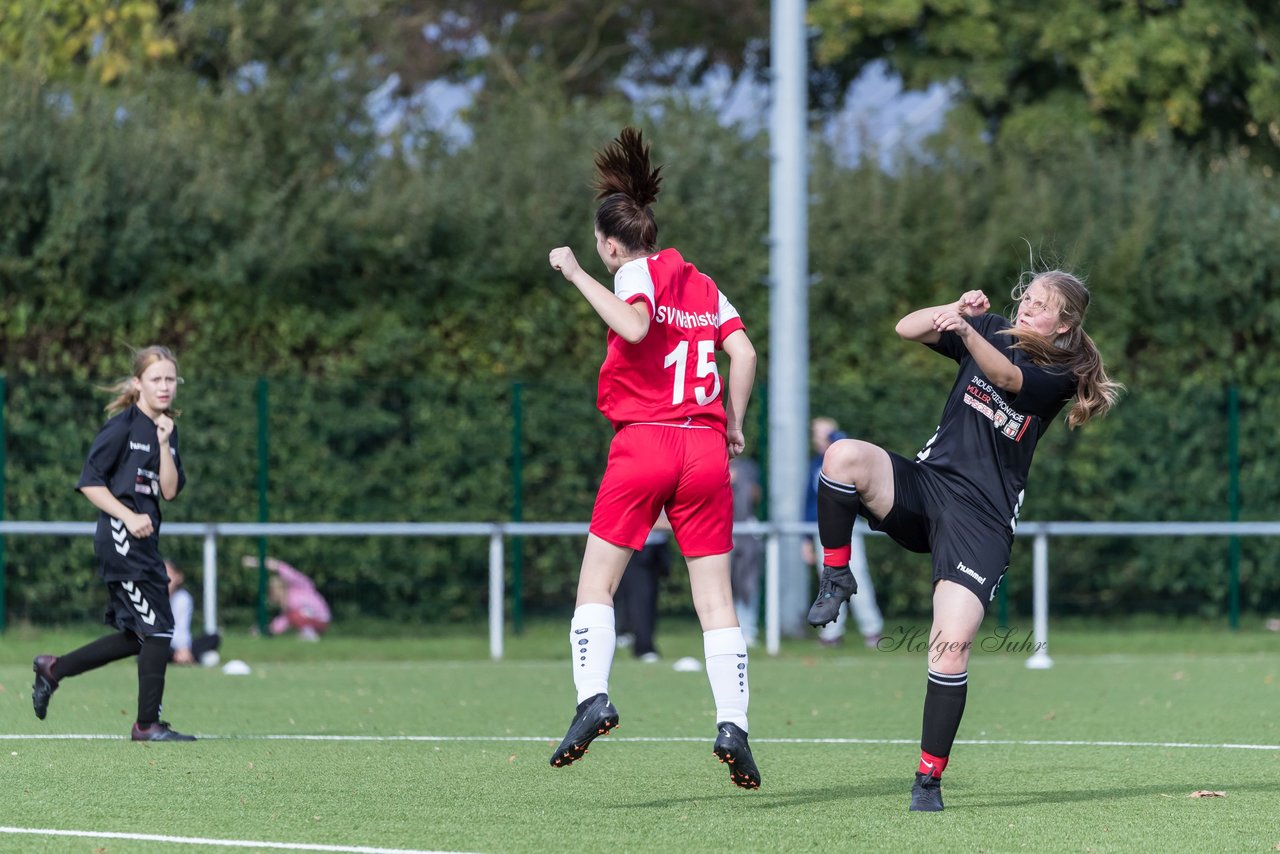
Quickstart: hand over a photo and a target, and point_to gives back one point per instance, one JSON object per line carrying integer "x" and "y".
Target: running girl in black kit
{"x": 959, "y": 499}
{"x": 132, "y": 464}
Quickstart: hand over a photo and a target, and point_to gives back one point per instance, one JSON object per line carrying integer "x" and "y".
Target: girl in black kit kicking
{"x": 959, "y": 499}
{"x": 132, "y": 464}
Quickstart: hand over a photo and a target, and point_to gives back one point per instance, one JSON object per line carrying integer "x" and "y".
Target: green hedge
{"x": 393, "y": 301}
{"x": 360, "y": 450}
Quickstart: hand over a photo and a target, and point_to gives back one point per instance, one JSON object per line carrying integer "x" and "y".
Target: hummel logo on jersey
{"x": 120, "y": 534}
{"x": 140, "y": 604}
{"x": 580, "y": 631}
{"x": 969, "y": 572}
{"x": 138, "y": 446}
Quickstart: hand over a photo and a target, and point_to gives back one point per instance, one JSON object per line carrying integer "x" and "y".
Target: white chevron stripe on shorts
{"x": 140, "y": 604}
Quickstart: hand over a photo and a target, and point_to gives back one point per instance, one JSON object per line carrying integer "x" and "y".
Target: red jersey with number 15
{"x": 670, "y": 375}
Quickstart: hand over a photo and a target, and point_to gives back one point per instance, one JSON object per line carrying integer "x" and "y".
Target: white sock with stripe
{"x": 726, "y": 654}
{"x": 593, "y": 640}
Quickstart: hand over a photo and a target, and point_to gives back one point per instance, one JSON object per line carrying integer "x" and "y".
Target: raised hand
{"x": 972, "y": 304}
{"x": 950, "y": 319}
{"x": 164, "y": 428}
{"x": 562, "y": 259}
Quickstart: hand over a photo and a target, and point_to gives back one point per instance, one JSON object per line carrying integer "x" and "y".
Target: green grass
{"x": 495, "y": 792}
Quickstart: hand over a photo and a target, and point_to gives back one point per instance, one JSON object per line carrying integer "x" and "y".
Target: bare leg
{"x": 957, "y": 615}
{"x": 602, "y": 566}
{"x": 712, "y": 592}
{"x": 867, "y": 468}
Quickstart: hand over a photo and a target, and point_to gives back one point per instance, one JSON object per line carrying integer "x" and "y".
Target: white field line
{"x": 614, "y": 739}
{"x": 224, "y": 843}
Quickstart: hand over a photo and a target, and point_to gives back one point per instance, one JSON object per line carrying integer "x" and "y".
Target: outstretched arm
{"x": 921, "y": 324}
{"x": 290, "y": 576}
{"x": 742, "y": 376}
{"x": 629, "y": 320}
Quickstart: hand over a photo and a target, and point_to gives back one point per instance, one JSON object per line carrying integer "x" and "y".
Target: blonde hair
{"x": 1073, "y": 349}
{"x": 125, "y": 394}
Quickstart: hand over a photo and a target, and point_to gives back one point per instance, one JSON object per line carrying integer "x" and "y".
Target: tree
{"x": 1036, "y": 72}
{"x": 106, "y": 38}
{"x": 588, "y": 44}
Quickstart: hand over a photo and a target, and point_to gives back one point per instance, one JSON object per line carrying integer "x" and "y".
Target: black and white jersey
{"x": 125, "y": 458}
{"x": 986, "y": 437}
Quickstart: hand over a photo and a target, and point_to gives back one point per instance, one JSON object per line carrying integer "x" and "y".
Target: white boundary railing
{"x": 497, "y": 532}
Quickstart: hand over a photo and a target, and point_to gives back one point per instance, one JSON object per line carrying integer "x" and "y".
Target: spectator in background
{"x": 747, "y": 559}
{"x": 302, "y": 606}
{"x": 636, "y": 599}
{"x": 865, "y": 610}
{"x": 184, "y": 649}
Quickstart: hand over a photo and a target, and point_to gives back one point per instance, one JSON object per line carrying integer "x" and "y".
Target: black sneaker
{"x": 595, "y": 716}
{"x": 731, "y": 747}
{"x": 44, "y": 685}
{"x": 926, "y": 794}
{"x": 835, "y": 586}
{"x": 158, "y": 731}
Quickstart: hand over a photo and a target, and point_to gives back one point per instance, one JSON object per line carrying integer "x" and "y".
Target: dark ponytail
{"x": 628, "y": 185}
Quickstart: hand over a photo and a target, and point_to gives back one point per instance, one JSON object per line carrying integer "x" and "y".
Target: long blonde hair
{"x": 125, "y": 394}
{"x": 1073, "y": 349}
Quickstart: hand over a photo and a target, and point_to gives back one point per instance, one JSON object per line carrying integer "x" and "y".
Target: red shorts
{"x": 685, "y": 470}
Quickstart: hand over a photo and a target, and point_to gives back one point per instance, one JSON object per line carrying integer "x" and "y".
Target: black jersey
{"x": 125, "y": 458}
{"x": 987, "y": 436}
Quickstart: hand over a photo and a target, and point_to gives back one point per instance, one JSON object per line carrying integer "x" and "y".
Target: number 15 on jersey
{"x": 706, "y": 365}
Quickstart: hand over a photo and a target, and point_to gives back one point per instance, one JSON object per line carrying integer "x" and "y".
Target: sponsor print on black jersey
{"x": 985, "y": 398}
{"x": 147, "y": 482}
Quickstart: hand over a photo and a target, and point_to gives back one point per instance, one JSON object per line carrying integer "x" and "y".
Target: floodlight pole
{"x": 789, "y": 303}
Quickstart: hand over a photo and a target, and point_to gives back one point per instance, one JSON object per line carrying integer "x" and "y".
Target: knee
{"x": 949, "y": 657}
{"x": 842, "y": 460}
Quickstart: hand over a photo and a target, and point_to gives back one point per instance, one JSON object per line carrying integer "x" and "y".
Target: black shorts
{"x": 141, "y": 607}
{"x": 930, "y": 515}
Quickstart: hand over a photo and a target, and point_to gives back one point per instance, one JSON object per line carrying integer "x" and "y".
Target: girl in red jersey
{"x": 676, "y": 427}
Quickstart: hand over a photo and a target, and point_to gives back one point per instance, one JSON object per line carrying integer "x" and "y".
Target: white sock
{"x": 726, "y": 652}
{"x": 593, "y": 641}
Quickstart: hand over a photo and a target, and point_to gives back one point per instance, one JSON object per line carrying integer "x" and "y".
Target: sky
{"x": 878, "y": 116}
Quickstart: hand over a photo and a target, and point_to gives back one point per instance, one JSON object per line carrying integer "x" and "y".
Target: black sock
{"x": 152, "y": 661}
{"x": 95, "y": 654}
{"x": 838, "y": 506}
{"x": 944, "y": 698}
{"x": 203, "y": 644}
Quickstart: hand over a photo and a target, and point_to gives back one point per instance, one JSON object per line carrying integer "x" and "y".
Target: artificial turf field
{"x": 426, "y": 745}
